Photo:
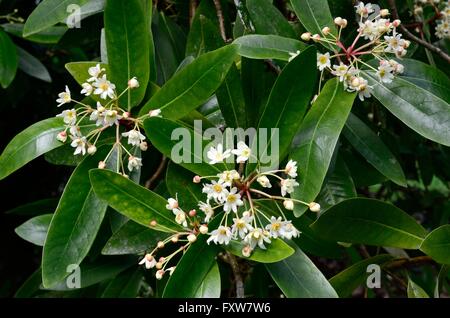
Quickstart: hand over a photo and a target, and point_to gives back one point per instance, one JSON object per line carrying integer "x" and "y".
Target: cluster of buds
{"x": 380, "y": 38}
{"x": 105, "y": 115}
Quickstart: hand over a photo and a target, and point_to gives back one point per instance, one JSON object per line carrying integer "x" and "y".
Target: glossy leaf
{"x": 203, "y": 35}
{"x": 35, "y": 230}
{"x": 425, "y": 113}
{"x": 210, "y": 286}
{"x": 371, "y": 147}
{"x": 125, "y": 285}
{"x": 437, "y": 244}
{"x": 350, "y": 278}
{"x": 132, "y": 200}
{"x": 160, "y": 132}
{"x": 275, "y": 47}
{"x": 8, "y": 60}
{"x": 276, "y": 251}
{"x": 268, "y": 20}
{"x": 48, "y": 36}
{"x": 415, "y": 291}
{"x": 132, "y": 238}
{"x": 179, "y": 182}
{"x": 298, "y": 277}
{"x": 32, "y": 66}
{"x": 127, "y": 41}
{"x": 193, "y": 85}
{"x": 314, "y": 15}
{"x": 49, "y": 13}
{"x": 372, "y": 222}
{"x": 318, "y": 135}
{"x": 75, "y": 223}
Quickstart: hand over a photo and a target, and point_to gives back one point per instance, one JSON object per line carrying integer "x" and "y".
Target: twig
{"x": 220, "y": 18}
{"x": 240, "y": 293}
{"x": 192, "y": 9}
{"x": 405, "y": 262}
{"x": 414, "y": 38}
{"x": 157, "y": 173}
{"x": 272, "y": 66}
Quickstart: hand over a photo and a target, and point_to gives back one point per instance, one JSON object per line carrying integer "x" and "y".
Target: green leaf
{"x": 47, "y": 14}
{"x": 160, "y": 132}
{"x": 203, "y": 36}
{"x": 35, "y": 230}
{"x": 35, "y": 208}
{"x": 8, "y": 60}
{"x": 179, "y": 182}
{"x": 210, "y": 286}
{"x": 275, "y": 47}
{"x": 349, "y": 279}
{"x": 425, "y": 113}
{"x": 268, "y": 20}
{"x": 132, "y": 238}
{"x": 51, "y": 35}
{"x": 415, "y": 291}
{"x": 126, "y": 285}
{"x": 276, "y": 251}
{"x": 318, "y": 135}
{"x": 193, "y": 85}
{"x": 371, "y": 147}
{"x": 298, "y": 277}
{"x": 437, "y": 244}
{"x": 79, "y": 71}
{"x": 287, "y": 104}
{"x": 138, "y": 203}
{"x": 369, "y": 221}
{"x": 75, "y": 223}
{"x": 314, "y": 15}
{"x": 440, "y": 280}
{"x": 127, "y": 41}
{"x": 32, "y": 66}
{"x": 231, "y": 99}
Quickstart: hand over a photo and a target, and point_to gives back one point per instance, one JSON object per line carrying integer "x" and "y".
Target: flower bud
{"x": 126, "y": 115}
{"x": 203, "y": 229}
{"x": 154, "y": 112}
{"x": 125, "y": 175}
{"x": 306, "y": 36}
{"x": 91, "y": 149}
{"x": 384, "y": 13}
{"x": 162, "y": 259}
{"x": 314, "y": 207}
{"x": 344, "y": 23}
{"x": 159, "y": 265}
{"x": 338, "y": 21}
{"x": 159, "y": 274}
{"x": 192, "y": 213}
{"x": 133, "y": 83}
{"x": 246, "y": 251}
{"x": 326, "y": 31}
{"x": 101, "y": 165}
{"x": 407, "y": 44}
{"x": 196, "y": 179}
{"x": 316, "y": 38}
{"x": 143, "y": 146}
{"x": 160, "y": 244}
{"x": 288, "y": 205}
{"x": 356, "y": 82}
{"x": 153, "y": 223}
{"x": 174, "y": 239}
{"x": 100, "y": 108}
{"x": 192, "y": 238}
{"x": 396, "y": 23}
{"x": 62, "y": 136}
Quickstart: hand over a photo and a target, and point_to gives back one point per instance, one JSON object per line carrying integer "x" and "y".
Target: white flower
{"x": 98, "y": 115}
{"x": 232, "y": 200}
{"x": 134, "y": 163}
{"x": 104, "y": 88}
{"x": 64, "y": 97}
{"x": 95, "y": 72}
{"x": 364, "y": 90}
{"x": 364, "y": 10}
{"x": 287, "y": 186}
{"x": 155, "y": 113}
{"x": 134, "y": 137}
{"x": 323, "y": 61}
{"x": 87, "y": 89}
{"x": 264, "y": 182}
{"x": 396, "y": 67}
{"x": 385, "y": 73}
{"x": 171, "y": 204}
{"x": 242, "y": 152}
{"x": 291, "y": 169}
{"x": 133, "y": 83}
{"x": 180, "y": 217}
{"x": 227, "y": 177}
{"x": 222, "y": 235}
{"x": 69, "y": 116}
{"x": 92, "y": 149}
{"x": 288, "y": 231}
{"x": 207, "y": 209}
{"x": 216, "y": 155}
{"x": 241, "y": 226}
{"x": 294, "y": 55}
{"x": 215, "y": 190}
{"x": 247, "y": 251}
{"x": 274, "y": 227}
{"x": 395, "y": 43}
{"x": 340, "y": 71}
{"x": 75, "y": 131}
{"x": 257, "y": 237}
{"x": 159, "y": 274}
{"x": 203, "y": 229}
{"x": 171, "y": 270}
{"x": 111, "y": 117}
{"x": 79, "y": 143}
{"x": 149, "y": 261}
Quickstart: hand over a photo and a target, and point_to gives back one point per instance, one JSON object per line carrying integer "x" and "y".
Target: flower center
{"x": 217, "y": 188}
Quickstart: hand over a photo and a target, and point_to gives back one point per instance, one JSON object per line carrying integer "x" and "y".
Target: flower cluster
{"x": 442, "y": 15}
{"x": 443, "y": 25}
{"x": 105, "y": 115}
{"x": 380, "y": 38}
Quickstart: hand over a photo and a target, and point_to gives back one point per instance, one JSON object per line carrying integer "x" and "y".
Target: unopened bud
{"x": 338, "y": 21}
{"x": 126, "y": 115}
{"x": 125, "y": 175}
{"x": 384, "y": 12}
{"x": 396, "y": 23}
{"x": 162, "y": 259}
{"x": 326, "y": 31}
{"x": 306, "y": 36}
{"x": 316, "y": 38}
{"x": 153, "y": 223}
{"x": 133, "y": 83}
{"x": 197, "y": 179}
{"x": 288, "y": 205}
{"x": 203, "y": 229}
{"x": 192, "y": 213}
{"x": 246, "y": 251}
{"x": 356, "y": 82}
{"x": 143, "y": 146}
{"x": 101, "y": 165}
{"x": 314, "y": 207}
{"x": 174, "y": 239}
{"x": 344, "y": 23}
{"x": 91, "y": 149}
{"x": 159, "y": 274}
{"x": 160, "y": 244}
{"x": 62, "y": 136}
{"x": 154, "y": 112}
{"x": 191, "y": 238}
{"x": 159, "y": 265}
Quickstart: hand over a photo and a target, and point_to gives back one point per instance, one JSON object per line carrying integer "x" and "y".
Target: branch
{"x": 192, "y": 9}
{"x": 405, "y": 262}
{"x": 414, "y": 38}
{"x": 240, "y": 293}
{"x": 157, "y": 173}
{"x": 220, "y": 18}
